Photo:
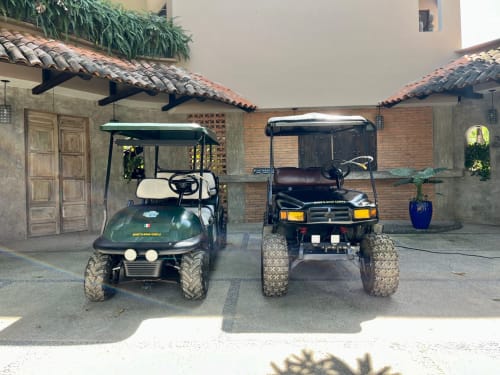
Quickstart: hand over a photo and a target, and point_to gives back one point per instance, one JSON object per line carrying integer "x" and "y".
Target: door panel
{"x": 43, "y": 164}
{"x": 42, "y": 172}
{"x": 43, "y": 190}
{"x": 74, "y": 190}
{"x": 43, "y": 214}
{"x": 73, "y": 166}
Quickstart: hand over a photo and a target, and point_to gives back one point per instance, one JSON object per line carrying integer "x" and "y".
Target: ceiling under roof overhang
{"x": 469, "y": 76}
{"x": 61, "y": 62}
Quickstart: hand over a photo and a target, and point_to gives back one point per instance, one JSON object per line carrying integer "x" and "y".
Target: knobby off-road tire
{"x": 379, "y": 265}
{"x": 274, "y": 265}
{"x": 194, "y": 274}
{"x": 99, "y": 277}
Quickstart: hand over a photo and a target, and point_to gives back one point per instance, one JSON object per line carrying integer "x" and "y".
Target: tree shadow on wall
{"x": 305, "y": 364}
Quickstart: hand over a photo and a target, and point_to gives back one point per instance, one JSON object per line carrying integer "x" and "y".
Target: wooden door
{"x": 42, "y": 168}
{"x": 73, "y": 174}
{"x": 57, "y": 174}
{"x": 316, "y": 149}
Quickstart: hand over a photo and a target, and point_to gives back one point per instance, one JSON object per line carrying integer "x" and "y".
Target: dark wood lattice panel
{"x": 217, "y": 123}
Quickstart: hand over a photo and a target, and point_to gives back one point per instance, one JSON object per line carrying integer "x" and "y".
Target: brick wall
{"x": 405, "y": 141}
{"x": 257, "y": 144}
{"x": 255, "y": 201}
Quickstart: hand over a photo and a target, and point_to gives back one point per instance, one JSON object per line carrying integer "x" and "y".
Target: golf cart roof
{"x": 315, "y": 123}
{"x": 188, "y": 134}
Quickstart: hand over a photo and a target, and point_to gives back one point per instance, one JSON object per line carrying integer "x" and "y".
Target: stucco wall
{"x": 474, "y": 200}
{"x": 12, "y": 151}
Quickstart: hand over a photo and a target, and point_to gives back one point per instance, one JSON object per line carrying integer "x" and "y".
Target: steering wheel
{"x": 182, "y": 183}
{"x": 332, "y": 171}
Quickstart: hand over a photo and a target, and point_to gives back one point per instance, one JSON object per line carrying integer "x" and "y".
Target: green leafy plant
{"x": 477, "y": 160}
{"x": 104, "y": 24}
{"x": 418, "y": 178}
{"x": 133, "y": 163}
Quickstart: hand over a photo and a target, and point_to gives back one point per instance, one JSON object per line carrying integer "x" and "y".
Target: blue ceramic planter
{"x": 420, "y": 214}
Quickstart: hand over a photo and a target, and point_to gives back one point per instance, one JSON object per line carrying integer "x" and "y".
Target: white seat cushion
{"x": 154, "y": 188}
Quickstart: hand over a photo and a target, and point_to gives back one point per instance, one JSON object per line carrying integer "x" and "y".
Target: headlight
{"x": 130, "y": 255}
{"x": 365, "y": 213}
{"x": 151, "y": 255}
{"x": 292, "y": 215}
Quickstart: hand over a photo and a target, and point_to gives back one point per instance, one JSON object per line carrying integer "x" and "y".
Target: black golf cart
{"x": 178, "y": 225}
{"x": 311, "y": 216}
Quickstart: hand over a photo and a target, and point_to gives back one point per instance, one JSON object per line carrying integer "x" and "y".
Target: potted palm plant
{"x": 420, "y": 208}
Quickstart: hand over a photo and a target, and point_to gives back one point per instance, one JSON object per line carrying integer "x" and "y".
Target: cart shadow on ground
{"x": 43, "y": 301}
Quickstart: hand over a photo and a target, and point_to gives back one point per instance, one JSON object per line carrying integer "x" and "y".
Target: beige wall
{"x": 315, "y": 54}
{"x": 432, "y": 6}
{"x": 142, "y": 5}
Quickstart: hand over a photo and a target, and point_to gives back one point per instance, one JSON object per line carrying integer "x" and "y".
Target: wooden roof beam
{"x": 173, "y": 101}
{"x": 466, "y": 92}
{"x": 52, "y": 78}
{"x": 118, "y": 93}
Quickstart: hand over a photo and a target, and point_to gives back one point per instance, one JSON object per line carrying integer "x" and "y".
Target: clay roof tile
{"x": 468, "y": 70}
{"x": 32, "y": 50}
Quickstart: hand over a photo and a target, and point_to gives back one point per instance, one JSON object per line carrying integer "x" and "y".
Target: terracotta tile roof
{"x": 480, "y": 67}
{"x": 32, "y": 50}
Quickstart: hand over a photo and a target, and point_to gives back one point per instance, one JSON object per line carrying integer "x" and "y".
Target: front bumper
{"x": 105, "y": 246}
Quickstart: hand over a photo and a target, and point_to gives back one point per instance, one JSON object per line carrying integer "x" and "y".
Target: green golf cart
{"x": 176, "y": 226}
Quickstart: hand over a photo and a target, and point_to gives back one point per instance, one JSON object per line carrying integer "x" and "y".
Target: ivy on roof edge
{"x": 104, "y": 24}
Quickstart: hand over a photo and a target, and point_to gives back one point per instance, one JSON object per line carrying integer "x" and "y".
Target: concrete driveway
{"x": 444, "y": 319}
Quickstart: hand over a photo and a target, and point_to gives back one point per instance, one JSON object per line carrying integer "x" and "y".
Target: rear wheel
{"x": 99, "y": 277}
{"x": 274, "y": 265}
{"x": 379, "y": 265}
{"x": 194, "y": 274}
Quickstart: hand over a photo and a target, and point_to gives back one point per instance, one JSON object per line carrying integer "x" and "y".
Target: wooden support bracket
{"x": 122, "y": 92}
{"x": 174, "y": 102}
{"x": 52, "y": 78}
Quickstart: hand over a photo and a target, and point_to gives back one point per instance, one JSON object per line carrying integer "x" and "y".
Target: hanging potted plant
{"x": 420, "y": 208}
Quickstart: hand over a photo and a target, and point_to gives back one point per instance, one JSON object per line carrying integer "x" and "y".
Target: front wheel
{"x": 379, "y": 265}
{"x": 194, "y": 274}
{"x": 274, "y": 265}
{"x": 99, "y": 277}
